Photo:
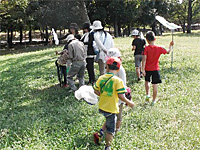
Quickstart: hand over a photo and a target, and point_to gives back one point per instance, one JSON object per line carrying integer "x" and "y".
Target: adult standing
{"x": 73, "y": 29}
{"x": 77, "y": 55}
{"x": 87, "y": 39}
{"x": 103, "y": 41}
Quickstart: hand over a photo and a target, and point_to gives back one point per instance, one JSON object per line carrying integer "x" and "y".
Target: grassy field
{"x": 35, "y": 113}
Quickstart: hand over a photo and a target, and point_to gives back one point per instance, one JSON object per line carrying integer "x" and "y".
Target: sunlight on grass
{"x": 35, "y": 113}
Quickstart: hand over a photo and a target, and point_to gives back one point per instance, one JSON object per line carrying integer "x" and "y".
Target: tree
{"x": 12, "y": 15}
{"x": 178, "y": 13}
{"x": 193, "y": 10}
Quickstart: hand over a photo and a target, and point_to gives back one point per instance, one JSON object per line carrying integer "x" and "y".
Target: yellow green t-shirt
{"x": 109, "y": 93}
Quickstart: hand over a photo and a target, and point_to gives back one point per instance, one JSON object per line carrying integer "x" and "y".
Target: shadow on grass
{"x": 27, "y": 108}
{"x": 36, "y": 47}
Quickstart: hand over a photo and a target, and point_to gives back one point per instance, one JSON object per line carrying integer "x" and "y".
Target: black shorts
{"x": 154, "y": 75}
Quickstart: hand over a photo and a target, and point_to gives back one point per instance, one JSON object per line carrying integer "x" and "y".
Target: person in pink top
{"x": 150, "y": 64}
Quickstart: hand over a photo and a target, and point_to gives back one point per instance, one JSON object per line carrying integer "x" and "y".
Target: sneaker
{"x": 107, "y": 148}
{"x": 97, "y": 138}
{"x": 139, "y": 79}
{"x": 147, "y": 99}
{"x": 153, "y": 102}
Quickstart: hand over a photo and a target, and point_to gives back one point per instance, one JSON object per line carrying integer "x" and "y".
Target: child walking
{"x": 138, "y": 46}
{"x": 150, "y": 64}
{"x": 110, "y": 88}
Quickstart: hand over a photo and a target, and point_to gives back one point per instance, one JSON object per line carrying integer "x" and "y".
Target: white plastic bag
{"x": 87, "y": 93}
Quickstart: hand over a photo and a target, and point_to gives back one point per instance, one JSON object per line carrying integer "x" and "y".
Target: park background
{"x": 35, "y": 113}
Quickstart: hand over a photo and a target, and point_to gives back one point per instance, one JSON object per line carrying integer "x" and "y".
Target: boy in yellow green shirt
{"x": 110, "y": 88}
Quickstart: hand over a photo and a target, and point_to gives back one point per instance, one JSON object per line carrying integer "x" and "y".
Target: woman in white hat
{"x": 103, "y": 42}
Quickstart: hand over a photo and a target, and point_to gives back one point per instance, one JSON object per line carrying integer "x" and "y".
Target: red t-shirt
{"x": 153, "y": 53}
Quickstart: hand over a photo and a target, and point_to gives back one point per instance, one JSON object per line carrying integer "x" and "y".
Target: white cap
{"x": 135, "y": 32}
{"x": 96, "y": 25}
{"x": 70, "y": 37}
{"x": 113, "y": 52}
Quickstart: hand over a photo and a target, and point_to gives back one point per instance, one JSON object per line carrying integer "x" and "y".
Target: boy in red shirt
{"x": 150, "y": 64}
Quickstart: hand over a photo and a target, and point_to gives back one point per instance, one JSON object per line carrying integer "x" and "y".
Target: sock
{"x": 101, "y": 132}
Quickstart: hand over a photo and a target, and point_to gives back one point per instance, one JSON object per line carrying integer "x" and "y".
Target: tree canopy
{"x": 120, "y": 14}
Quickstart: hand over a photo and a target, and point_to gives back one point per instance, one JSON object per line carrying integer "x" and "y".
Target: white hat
{"x": 70, "y": 37}
{"x": 113, "y": 52}
{"x": 96, "y": 25}
{"x": 135, "y": 32}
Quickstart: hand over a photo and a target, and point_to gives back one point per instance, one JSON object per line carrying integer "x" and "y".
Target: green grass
{"x": 35, "y": 113}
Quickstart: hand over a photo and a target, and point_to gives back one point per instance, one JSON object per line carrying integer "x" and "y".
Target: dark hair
{"x": 100, "y": 29}
{"x": 113, "y": 66}
{"x": 150, "y": 36}
{"x": 86, "y": 25}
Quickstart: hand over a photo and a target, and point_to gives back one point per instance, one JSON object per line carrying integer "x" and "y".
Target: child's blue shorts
{"x": 111, "y": 120}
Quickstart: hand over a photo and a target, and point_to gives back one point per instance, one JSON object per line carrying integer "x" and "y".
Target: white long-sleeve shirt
{"x": 122, "y": 74}
{"x": 99, "y": 38}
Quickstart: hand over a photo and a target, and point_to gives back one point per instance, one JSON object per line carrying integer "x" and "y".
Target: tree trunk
{"x": 47, "y": 36}
{"x": 83, "y": 12}
{"x": 189, "y": 17}
{"x": 153, "y": 26}
{"x": 116, "y": 27}
{"x": 119, "y": 30}
{"x": 11, "y": 37}
{"x": 30, "y": 35}
{"x": 183, "y": 26}
{"x": 8, "y": 37}
{"x": 60, "y": 32}
{"x": 160, "y": 28}
{"x": 129, "y": 29}
{"x": 21, "y": 34}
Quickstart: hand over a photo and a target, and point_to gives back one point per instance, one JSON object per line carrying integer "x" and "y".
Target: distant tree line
{"x": 29, "y": 15}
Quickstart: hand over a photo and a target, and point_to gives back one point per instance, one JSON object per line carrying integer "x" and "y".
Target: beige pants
{"x": 102, "y": 66}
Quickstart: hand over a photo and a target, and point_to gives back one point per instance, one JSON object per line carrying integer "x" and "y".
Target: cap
{"x": 96, "y": 25}
{"x": 70, "y": 37}
{"x": 114, "y": 61}
{"x": 135, "y": 32}
{"x": 113, "y": 52}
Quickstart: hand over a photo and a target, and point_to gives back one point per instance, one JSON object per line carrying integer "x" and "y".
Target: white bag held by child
{"x": 87, "y": 93}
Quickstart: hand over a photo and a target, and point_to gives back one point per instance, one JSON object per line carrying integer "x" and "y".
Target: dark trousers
{"x": 63, "y": 71}
{"x": 90, "y": 69}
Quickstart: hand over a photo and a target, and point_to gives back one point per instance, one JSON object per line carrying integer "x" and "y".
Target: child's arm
{"x": 97, "y": 92}
{"x": 143, "y": 64}
{"x": 170, "y": 47}
{"x": 134, "y": 47}
{"x": 124, "y": 99}
{"x": 58, "y": 53}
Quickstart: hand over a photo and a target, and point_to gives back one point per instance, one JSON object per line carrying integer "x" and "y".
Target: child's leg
{"x": 155, "y": 91}
{"x": 119, "y": 118}
{"x": 64, "y": 68}
{"x": 138, "y": 72}
{"x": 147, "y": 87}
{"x": 109, "y": 138}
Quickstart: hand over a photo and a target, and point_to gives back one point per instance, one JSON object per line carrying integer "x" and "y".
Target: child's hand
{"x": 144, "y": 73}
{"x": 131, "y": 104}
{"x": 171, "y": 43}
